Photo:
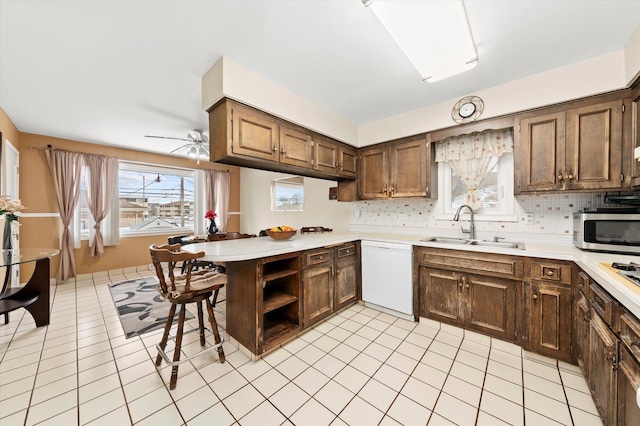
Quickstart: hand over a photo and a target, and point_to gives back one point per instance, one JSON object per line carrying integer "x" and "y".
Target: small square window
{"x": 287, "y": 194}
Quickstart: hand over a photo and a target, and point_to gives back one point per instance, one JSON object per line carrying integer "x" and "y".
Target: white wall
{"x": 632, "y": 57}
{"x": 255, "y": 204}
{"x": 598, "y": 75}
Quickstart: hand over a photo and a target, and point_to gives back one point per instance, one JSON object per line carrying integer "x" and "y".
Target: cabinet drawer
{"x": 603, "y": 304}
{"x": 583, "y": 283}
{"x": 483, "y": 263}
{"x": 558, "y": 273}
{"x": 630, "y": 333}
{"x": 313, "y": 257}
{"x": 346, "y": 250}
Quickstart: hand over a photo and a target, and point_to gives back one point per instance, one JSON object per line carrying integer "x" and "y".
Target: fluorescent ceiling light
{"x": 434, "y": 35}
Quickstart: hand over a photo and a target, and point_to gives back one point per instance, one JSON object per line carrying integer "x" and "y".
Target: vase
{"x": 213, "y": 229}
{"x": 6, "y": 235}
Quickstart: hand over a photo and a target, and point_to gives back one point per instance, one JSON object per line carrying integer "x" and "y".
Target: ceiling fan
{"x": 197, "y": 145}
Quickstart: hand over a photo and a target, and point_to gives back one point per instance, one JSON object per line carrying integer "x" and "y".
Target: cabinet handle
{"x": 464, "y": 281}
{"x": 560, "y": 177}
{"x": 282, "y": 151}
{"x": 460, "y": 279}
{"x": 570, "y": 175}
{"x": 341, "y": 166}
{"x": 384, "y": 190}
{"x": 550, "y": 272}
{"x": 274, "y": 149}
{"x": 535, "y": 296}
{"x": 393, "y": 189}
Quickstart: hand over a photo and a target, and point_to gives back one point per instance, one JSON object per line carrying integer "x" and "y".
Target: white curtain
{"x": 101, "y": 173}
{"x": 217, "y": 185}
{"x": 473, "y": 157}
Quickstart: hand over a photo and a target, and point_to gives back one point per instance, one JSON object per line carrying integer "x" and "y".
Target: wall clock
{"x": 467, "y": 109}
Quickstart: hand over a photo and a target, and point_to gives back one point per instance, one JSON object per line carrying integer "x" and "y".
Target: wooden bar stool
{"x": 192, "y": 287}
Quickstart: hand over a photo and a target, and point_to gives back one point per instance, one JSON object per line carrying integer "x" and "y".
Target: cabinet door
{"x": 374, "y": 173}
{"x": 325, "y": 155}
{"x": 635, "y": 138}
{"x": 254, "y": 134}
{"x": 347, "y": 161}
{"x": 540, "y": 161}
{"x": 408, "y": 165}
{"x": 550, "y": 320}
{"x": 491, "y": 306}
{"x": 628, "y": 384}
{"x": 440, "y": 296}
{"x": 346, "y": 286}
{"x": 603, "y": 350}
{"x": 295, "y": 147}
{"x": 318, "y": 293}
{"x": 594, "y": 146}
{"x": 582, "y": 334}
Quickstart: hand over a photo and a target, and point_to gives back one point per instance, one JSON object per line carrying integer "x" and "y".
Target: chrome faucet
{"x": 472, "y": 227}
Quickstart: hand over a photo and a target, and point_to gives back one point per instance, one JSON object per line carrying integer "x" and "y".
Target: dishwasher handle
{"x": 386, "y": 245}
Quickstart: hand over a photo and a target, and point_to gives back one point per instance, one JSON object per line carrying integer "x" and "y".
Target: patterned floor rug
{"x": 140, "y": 306}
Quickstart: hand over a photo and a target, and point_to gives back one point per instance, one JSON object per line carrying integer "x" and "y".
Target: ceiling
{"x": 111, "y": 72}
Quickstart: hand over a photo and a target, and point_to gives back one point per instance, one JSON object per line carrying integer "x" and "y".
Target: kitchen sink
{"x": 503, "y": 244}
{"x": 485, "y": 243}
{"x": 446, "y": 240}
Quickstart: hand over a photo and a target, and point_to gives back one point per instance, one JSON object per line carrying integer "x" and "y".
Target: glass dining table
{"x": 34, "y": 295}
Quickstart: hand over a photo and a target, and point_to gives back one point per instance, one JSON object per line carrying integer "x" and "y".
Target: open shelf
{"x": 276, "y": 328}
{"x": 277, "y": 300}
{"x": 279, "y": 274}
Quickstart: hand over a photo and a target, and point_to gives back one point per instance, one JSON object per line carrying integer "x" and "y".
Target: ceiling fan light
{"x": 193, "y": 153}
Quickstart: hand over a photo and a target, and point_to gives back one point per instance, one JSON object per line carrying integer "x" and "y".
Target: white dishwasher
{"x": 387, "y": 277}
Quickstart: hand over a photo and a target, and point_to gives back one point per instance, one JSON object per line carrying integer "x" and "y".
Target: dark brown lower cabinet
{"x": 603, "y": 359}
{"x": 485, "y": 304}
{"x": 318, "y": 292}
{"x": 583, "y": 317}
{"x": 330, "y": 281}
{"x": 549, "y": 319}
{"x": 628, "y": 384}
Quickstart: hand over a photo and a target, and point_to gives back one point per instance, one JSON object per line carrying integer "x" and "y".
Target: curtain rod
{"x": 42, "y": 148}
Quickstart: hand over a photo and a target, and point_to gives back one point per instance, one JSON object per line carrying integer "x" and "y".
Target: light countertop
{"x": 592, "y": 263}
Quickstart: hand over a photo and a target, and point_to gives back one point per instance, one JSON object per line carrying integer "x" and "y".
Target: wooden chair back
{"x": 170, "y": 255}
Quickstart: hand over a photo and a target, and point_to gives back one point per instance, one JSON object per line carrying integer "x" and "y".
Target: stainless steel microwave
{"x": 607, "y": 231}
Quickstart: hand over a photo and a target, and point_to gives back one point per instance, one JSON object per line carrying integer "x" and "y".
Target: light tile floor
{"x": 360, "y": 367}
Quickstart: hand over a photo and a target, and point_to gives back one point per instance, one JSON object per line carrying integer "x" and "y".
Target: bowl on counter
{"x": 280, "y": 235}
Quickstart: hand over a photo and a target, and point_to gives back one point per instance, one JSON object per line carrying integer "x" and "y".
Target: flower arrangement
{"x": 211, "y": 215}
{"x": 9, "y": 208}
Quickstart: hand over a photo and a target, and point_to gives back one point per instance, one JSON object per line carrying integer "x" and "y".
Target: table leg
{"x": 34, "y": 296}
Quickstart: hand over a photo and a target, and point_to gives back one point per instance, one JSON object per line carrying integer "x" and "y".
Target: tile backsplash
{"x": 552, "y": 214}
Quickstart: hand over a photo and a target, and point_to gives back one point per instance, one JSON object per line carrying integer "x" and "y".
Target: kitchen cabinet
{"x": 582, "y": 320}
{"x": 634, "y": 155}
{"x": 330, "y": 281}
{"x": 549, "y": 310}
{"x": 479, "y": 292}
{"x": 402, "y": 168}
{"x": 296, "y": 147}
{"x": 247, "y": 137}
{"x": 603, "y": 355}
{"x": 572, "y": 147}
{"x": 628, "y": 383}
{"x": 264, "y": 301}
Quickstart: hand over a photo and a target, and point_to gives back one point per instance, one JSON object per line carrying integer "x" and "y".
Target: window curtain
{"x": 101, "y": 173}
{"x": 217, "y": 185}
{"x": 473, "y": 157}
{"x": 65, "y": 172}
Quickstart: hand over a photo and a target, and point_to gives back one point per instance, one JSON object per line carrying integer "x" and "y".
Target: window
{"x": 496, "y": 192}
{"x": 150, "y": 199}
{"x": 287, "y": 194}
{"x": 477, "y": 170}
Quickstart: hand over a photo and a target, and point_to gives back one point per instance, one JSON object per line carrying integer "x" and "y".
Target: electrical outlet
{"x": 402, "y": 216}
{"x": 528, "y": 218}
{"x": 356, "y": 213}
